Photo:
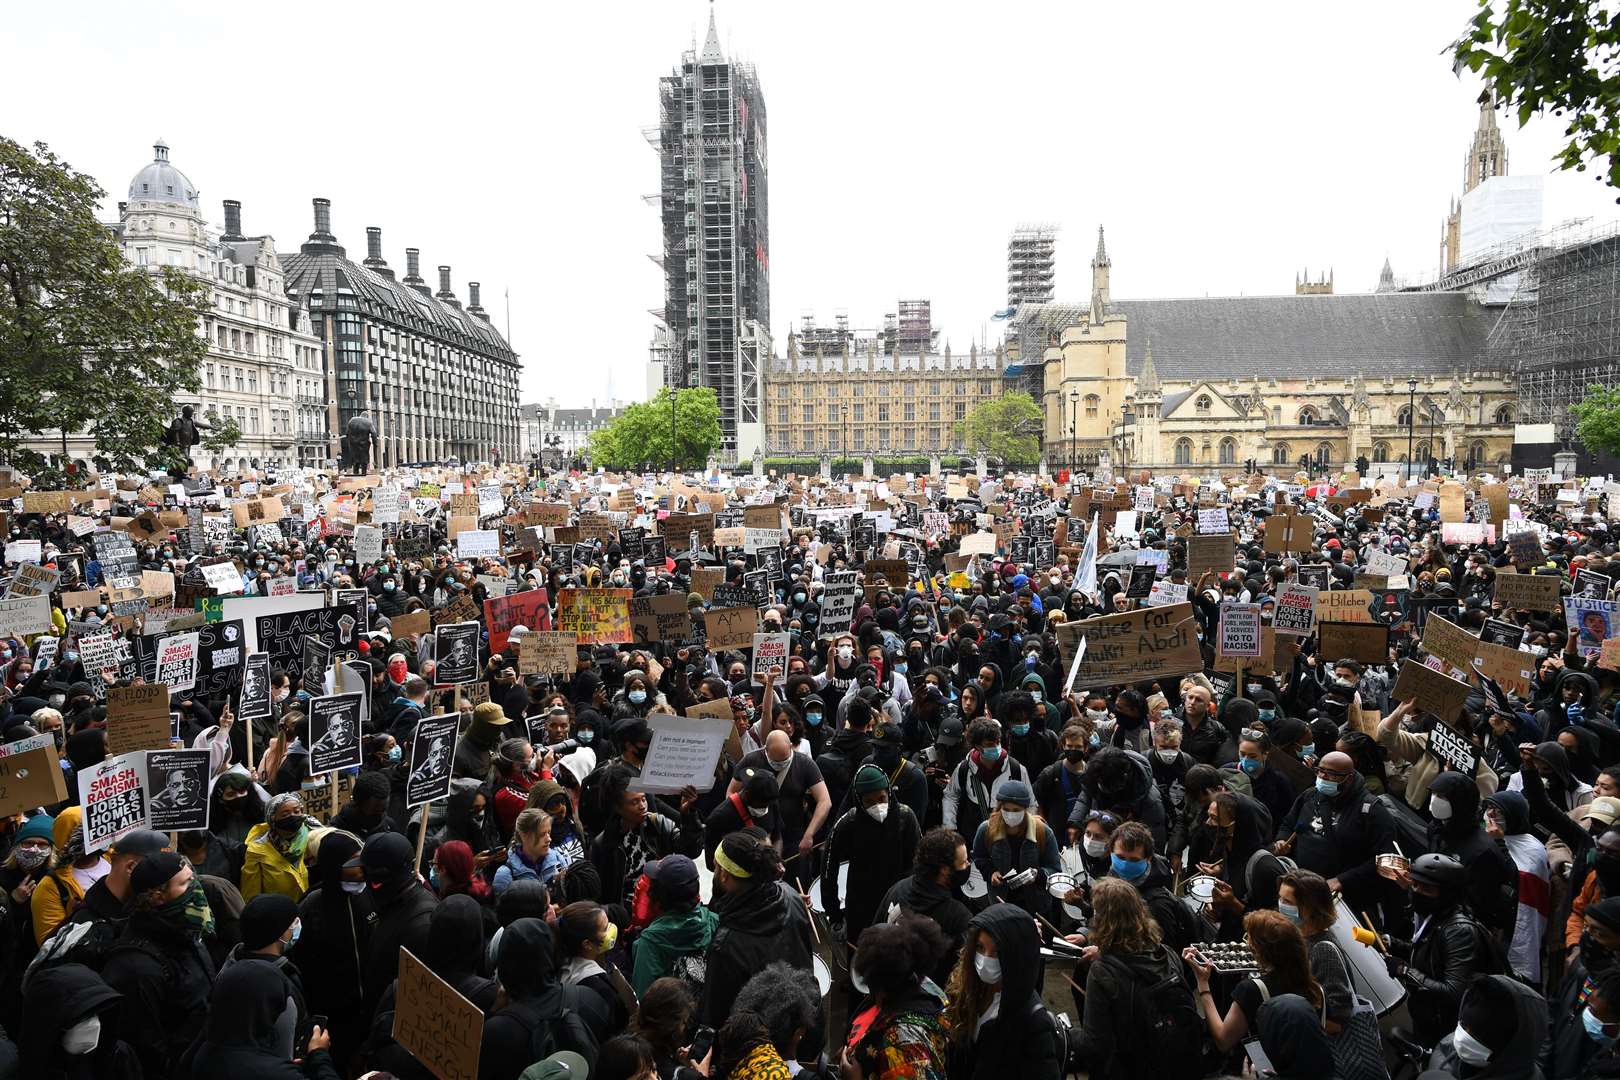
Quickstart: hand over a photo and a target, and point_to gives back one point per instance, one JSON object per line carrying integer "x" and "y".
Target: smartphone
{"x": 316, "y": 1021}
{"x": 702, "y": 1043}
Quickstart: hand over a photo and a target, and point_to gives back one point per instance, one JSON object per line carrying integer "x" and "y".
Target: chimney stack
{"x": 413, "y": 271}
{"x": 374, "y": 257}
{"x": 445, "y": 292}
{"x": 473, "y": 305}
{"x": 321, "y": 241}
{"x": 233, "y": 220}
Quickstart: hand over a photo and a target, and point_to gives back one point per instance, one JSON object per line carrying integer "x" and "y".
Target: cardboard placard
{"x": 1296, "y": 610}
{"x": 440, "y": 1028}
{"x": 30, "y": 775}
{"x": 1344, "y": 605}
{"x": 1430, "y": 690}
{"x": 1450, "y": 642}
{"x": 1528, "y": 592}
{"x": 258, "y": 511}
{"x": 1209, "y": 553}
{"x": 1136, "y": 646}
{"x": 1364, "y": 642}
{"x": 24, "y": 616}
{"x": 1513, "y": 669}
{"x": 547, "y": 652}
{"x": 409, "y": 623}
{"x": 530, "y": 609}
{"x": 138, "y": 718}
{"x": 597, "y": 616}
{"x": 731, "y": 628}
{"x": 660, "y": 618}
{"x": 705, "y": 578}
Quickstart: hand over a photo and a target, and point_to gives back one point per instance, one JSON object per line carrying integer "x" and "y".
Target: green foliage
{"x": 1597, "y": 419}
{"x": 642, "y": 436}
{"x": 1553, "y": 55}
{"x": 87, "y": 341}
{"x": 1006, "y": 427}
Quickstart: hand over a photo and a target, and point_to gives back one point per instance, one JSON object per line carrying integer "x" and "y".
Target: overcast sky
{"x": 1224, "y": 147}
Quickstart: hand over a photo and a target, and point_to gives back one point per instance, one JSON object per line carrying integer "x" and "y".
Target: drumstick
{"x": 796, "y": 854}
{"x": 1372, "y": 928}
{"x": 1078, "y": 988}
{"x": 810, "y": 911}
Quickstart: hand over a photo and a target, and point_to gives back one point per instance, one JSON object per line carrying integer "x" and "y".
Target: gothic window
{"x": 1380, "y": 452}
{"x": 1476, "y": 455}
{"x": 1093, "y": 402}
{"x": 1404, "y": 417}
{"x": 1228, "y": 451}
{"x": 1183, "y": 451}
{"x": 1276, "y": 414}
{"x": 1279, "y": 454}
{"x": 1324, "y": 454}
{"x": 1307, "y": 416}
{"x": 1504, "y": 415}
{"x": 1202, "y": 405}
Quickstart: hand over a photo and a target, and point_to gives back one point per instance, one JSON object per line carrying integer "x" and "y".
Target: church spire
{"x": 1386, "y": 278}
{"x": 1147, "y": 376}
{"x": 1487, "y": 154}
{"x": 1099, "y": 281}
{"x": 712, "y": 53}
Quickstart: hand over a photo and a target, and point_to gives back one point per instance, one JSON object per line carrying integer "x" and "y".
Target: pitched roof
{"x": 1377, "y": 334}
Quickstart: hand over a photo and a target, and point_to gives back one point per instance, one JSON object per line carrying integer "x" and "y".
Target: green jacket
{"x": 668, "y": 937}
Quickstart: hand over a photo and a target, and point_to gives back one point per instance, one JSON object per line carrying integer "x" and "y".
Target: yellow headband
{"x": 726, "y": 863}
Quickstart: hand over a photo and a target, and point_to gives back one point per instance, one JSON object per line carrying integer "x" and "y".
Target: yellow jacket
{"x": 267, "y": 870}
{"x": 46, "y": 905}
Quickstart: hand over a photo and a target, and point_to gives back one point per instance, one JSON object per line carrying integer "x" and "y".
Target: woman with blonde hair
{"x": 1279, "y": 950}
{"x": 1127, "y": 957}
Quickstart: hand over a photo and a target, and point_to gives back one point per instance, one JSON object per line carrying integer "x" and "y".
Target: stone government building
{"x": 1213, "y": 382}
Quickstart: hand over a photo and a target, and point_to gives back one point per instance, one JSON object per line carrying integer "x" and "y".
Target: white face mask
{"x": 1013, "y": 818}
{"x": 988, "y": 967}
{"x": 1439, "y": 809}
{"x": 82, "y": 1037}
{"x": 354, "y": 888}
{"x": 1095, "y": 847}
{"x": 878, "y": 812}
{"x": 1469, "y": 1049}
{"x": 1168, "y": 756}
{"x": 757, "y": 812}
{"x": 845, "y": 653}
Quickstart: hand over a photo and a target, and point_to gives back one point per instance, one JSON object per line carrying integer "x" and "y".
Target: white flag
{"x": 1086, "y": 580}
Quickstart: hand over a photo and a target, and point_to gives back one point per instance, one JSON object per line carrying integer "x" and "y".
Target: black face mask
{"x": 1597, "y": 959}
{"x": 960, "y": 877}
{"x": 1073, "y": 754}
{"x": 886, "y": 757}
{"x": 1428, "y": 905}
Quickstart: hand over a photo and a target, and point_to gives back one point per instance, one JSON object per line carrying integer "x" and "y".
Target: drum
{"x": 1060, "y": 885}
{"x": 823, "y": 975}
{"x": 1368, "y": 975}
{"x": 1197, "y": 892}
{"x": 843, "y": 888}
{"x": 975, "y": 887}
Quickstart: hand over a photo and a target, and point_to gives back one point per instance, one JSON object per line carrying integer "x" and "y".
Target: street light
{"x": 1432, "y": 455}
{"x": 1411, "y": 419}
{"x": 671, "y": 390}
{"x": 1074, "y": 427}
{"x": 845, "y": 410}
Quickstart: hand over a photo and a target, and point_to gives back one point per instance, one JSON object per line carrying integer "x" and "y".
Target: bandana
{"x": 725, "y": 862}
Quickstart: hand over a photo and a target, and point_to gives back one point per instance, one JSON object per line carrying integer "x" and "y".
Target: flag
{"x": 1086, "y": 580}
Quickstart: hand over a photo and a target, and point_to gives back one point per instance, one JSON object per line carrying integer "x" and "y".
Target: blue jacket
{"x": 517, "y": 868}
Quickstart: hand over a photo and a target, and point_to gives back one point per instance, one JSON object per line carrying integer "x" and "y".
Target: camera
{"x": 567, "y": 746}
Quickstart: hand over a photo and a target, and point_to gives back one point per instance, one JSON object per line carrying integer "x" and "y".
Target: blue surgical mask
{"x": 1304, "y": 752}
{"x": 1326, "y": 786}
{"x": 813, "y": 719}
{"x": 1094, "y": 741}
{"x": 585, "y": 735}
{"x": 901, "y": 667}
{"x": 1267, "y": 715}
{"x": 433, "y": 877}
{"x": 1289, "y": 911}
{"x": 637, "y": 696}
{"x": 1020, "y": 729}
{"x": 297, "y": 929}
{"x": 1251, "y": 766}
{"x": 991, "y": 754}
{"x": 1129, "y": 869}
{"x": 1594, "y": 1027}
{"x": 395, "y": 752}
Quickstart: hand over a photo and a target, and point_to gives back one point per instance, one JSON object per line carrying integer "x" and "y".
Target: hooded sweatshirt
{"x": 58, "y": 998}
{"x": 1563, "y": 788}
{"x": 241, "y": 1039}
{"x": 1020, "y": 1040}
{"x": 1516, "y": 1060}
{"x": 1534, "y": 881}
{"x": 541, "y": 1012}
{"x": 1492, "y": 879}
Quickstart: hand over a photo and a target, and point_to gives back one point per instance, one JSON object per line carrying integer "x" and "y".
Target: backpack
{"x": 91, "y": 942}
{"x": 1167, "y": 1034}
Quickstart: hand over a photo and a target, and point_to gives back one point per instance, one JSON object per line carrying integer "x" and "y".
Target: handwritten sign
{"x": 597, "y": 616}
{"x": 1430, "y": 690}
{"x": 1366, "y": 642}
{"x": 137, "y": 718}
{"x": 1527, "y": 592}
{"x": 660, "y": 618}
{"x": 1590, "y": 622}
{"x": 30, "y": 775}
{"x": 731, "y": 628}
{"x": 439, "y": 1027}
{"x": 1344, "y": 605}
{"x": 1136, "y": 646}
{"x": 25, "y": 615}
{"x": 528, "y": 609}
{"x": 1450, "y": 642}
{"x": 547, "y": 652}
{"x": 1212, "y": 553}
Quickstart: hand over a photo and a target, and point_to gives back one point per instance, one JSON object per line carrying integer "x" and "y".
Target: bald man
{"x": 1337, "y": 829}
{"x": 802, "y": 800}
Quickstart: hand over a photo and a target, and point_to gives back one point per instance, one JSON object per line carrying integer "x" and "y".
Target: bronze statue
{"x": 359, "y": 435}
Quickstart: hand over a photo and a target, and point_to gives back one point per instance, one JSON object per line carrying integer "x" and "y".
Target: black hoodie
{"x": 759, "y": 923}
{"x": 59, "y": 997}
{"x": 542, "y": 1015}
{"x": 1492, "y": 877}
{"x": 240, "y": 1039}
{"x": 1516, "y": 1060}
{"x": 1022, "y": 1040}
{"x": 331, "y": 947}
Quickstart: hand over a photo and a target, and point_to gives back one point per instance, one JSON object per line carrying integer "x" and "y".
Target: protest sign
{"x": 219, "y": 656}
{"x": 368, "y": 544}
{"x": 705, "y": 578}
{"x": 384, "y": 508}
{"x": 177, "y": 662}
{"x": 25, "y": 615}
{"x": 317, "y": 796}
{"x": 409, "y": 624}
{"x": 1430, "y": 691}
{"x": 597, "y": 616}
{"x": 254, "y": 701}
{"x": 1367, "y": 643}
{"x": 1288, "y": 531}
{"x": 1382, "y": 562}
{"x": 457, "y": 650}
{"x": 683, "y": 752}
{"x": 138, "y": 718}
{"x": 660, "y": 618}
{"x": 1609, "y": 656}
{"x": 528, "y": 609}
{"x": 1449, "y": 642}
{"x": 1296, "y": 610}
{"x": 979, "y": 543}
{"x": 548, "y": 652}
{"x": 1589, "y": 583}
{"x": 334, "y": 731}
{"x": 1214, "y": 521}
{"x": 1166, "y": 592}
{"x": 1211, "y": 553}
{"x": 317, "y": 657}
{"x": 113, "y": 794}
{"x": 770, "y": 655}
{"x": 439, "y": 1027}
{"x": 1590, "y": 621}
{"x": 1344, "y": 605}
{"x": 1315, "y": 575}
{"x": 1511, "y": 667}
{"x": 179, "y": 789}
{"x": 30, "y": 775}
{"x": 1239, "y": 630}
{"x": 1135, "y": 646}
{"x": 1527, "y": 592}
{"x": 24, "y": 551}
{"x": 1264, "y": 663}
{"x": 433, "y": 750}
{"x": 1453, "y": 749}
{"x": 676, "y": 529}
{"x": 1141, "y": 583}
{"x": 31, "y": 579}
{"x": 1499, "y": 632}
{"x": 478, "y": 543}
{"x": 837, "y": 609}
{"x": 731, "y": 628}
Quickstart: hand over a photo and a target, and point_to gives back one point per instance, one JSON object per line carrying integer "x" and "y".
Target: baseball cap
{"x": 142, "y": 842}
{"x": 673, "y": 872}
{"x": 1604, "y": 808}
{"x": 563, "y": 1065}
{"x": 155, "y": 871}
{"x": 950, "y": 733}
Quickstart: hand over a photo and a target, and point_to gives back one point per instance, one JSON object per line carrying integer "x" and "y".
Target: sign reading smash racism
{"x": 1137, "y": 646}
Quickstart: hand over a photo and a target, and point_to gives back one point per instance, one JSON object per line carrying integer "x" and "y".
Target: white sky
{"x": 1224, "y": 147}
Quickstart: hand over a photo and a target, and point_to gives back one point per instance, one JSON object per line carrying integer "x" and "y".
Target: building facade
{"x": 550, "y": 430}
{"x": 257, "y": 337}
{"x": 716, "y": 249}
{"x": 1214, "y": 382}
{"x": 862, "y": 401}
{"x": 1487, "y": 158}
{"x": 437, "y": 380}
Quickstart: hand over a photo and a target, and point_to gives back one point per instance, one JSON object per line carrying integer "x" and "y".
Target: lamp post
{"x": 845, "y": 410}
{"x": 1074, "y": 429}
{"x": 672, "y": 437}
{"x": 1433, "y": 455}
{"x": 1411, "y": 419}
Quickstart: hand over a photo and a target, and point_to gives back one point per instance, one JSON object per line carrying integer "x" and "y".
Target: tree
{"x": 643, "y": 435}
{"x": 1005, "y": 427}
{"x": 87, "y": 341}
{"x": 1597, "y": 419}
{"x": 1552, "y": 55}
